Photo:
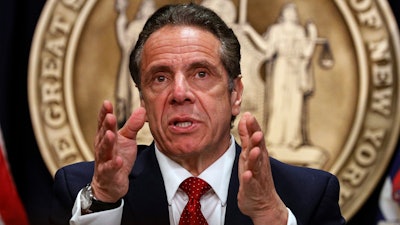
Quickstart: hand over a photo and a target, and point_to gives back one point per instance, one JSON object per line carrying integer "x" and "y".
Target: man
{"x": 186, "y": 64}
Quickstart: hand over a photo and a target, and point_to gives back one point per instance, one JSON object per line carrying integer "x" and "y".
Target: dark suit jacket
{"x": 312, "y": 195}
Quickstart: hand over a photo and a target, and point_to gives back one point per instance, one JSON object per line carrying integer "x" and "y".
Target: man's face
{"x": 185, "y": 93}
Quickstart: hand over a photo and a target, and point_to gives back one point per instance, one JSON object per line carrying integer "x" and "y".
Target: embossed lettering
{"x": 381, "y": 101}
{"x": 360, "y": 5}
{"x": 346, "y": 193}
{"x": 59, "y": 24}
{"x": 51, "y": 67}
{"x": 51, "y": 92}
{"x": 73, "y": 4}
{"x": 65, "y": 150}
{"x": 54, "y": 115}
{"x": 375, "y": 136}
{"x": 56, "y": 46}
{"x": 365, "y": 154}
{"x": 367, "y": 14}
{"x": 379, "y": 50}
{"x": 354, "y": 174}
{"x": 371, "y": 18}
{"x": 382, "y": 75}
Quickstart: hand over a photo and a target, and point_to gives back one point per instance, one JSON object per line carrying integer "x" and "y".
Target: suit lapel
{"x": 146, "y": 200}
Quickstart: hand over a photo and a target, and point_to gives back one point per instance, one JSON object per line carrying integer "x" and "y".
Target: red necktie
{"x": 194, "y": 187}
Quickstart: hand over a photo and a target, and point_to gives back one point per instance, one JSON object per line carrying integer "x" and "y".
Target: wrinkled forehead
{"x": 177, "y": 43}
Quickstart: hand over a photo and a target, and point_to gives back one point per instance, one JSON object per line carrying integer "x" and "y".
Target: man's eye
{"x": 201, "y": 74}
{"x": 161, "y": 79}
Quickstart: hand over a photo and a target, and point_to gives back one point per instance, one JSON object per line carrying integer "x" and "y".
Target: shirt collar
{"x": 217, "y": 175}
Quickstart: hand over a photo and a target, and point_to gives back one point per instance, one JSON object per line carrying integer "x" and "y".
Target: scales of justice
{"x": 277, "y": 97}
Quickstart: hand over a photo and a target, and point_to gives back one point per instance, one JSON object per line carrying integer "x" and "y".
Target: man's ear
{"x": 236, "y": 95}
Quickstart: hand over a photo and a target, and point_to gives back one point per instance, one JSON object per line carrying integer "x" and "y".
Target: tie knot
{"x": 194, "y": 187}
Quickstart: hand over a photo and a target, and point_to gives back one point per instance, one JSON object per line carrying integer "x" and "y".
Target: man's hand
{"x": 115, "y": 153}
{"x": 257, "y": 196}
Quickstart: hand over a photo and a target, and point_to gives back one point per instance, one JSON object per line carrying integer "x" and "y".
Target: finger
{"x": 106, "y": 132}
{"x": 107, "y": 138}
{"x": 256, "y": 135}
{"x": 250, "y": 132}
{"x": 257, "y": 156}
{"x": 243, "y": 131}
{"x": 105, "y": 109}
{"x": 246, "y": 180}
{"x": 254, "y": 160}
{"x": 134, "y": 123}
{"x": 252, "y": 125}
{"x": 256, "y": 174}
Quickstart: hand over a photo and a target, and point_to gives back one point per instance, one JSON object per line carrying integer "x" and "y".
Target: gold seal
{"x": 322, "y": 77}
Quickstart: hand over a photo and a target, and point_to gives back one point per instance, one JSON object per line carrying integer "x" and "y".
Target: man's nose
{"x": 181, "y": 90}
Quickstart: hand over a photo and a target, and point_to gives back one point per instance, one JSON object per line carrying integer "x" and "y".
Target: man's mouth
{"x": 183, "y": 124}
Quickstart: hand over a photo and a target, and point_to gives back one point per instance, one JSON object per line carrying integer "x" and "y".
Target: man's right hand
{"x": 115, "y": 153}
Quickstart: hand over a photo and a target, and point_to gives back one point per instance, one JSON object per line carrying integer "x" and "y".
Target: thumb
{"x": 134, "y": 123}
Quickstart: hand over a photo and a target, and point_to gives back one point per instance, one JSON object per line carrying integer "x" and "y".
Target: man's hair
{"x": 190, "y": 14}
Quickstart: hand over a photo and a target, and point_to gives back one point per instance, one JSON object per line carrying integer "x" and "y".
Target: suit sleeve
{"x": 328, "y": 211}
{"x": 68, "y": 181}
{"x": 312, "y": 195}
{"x": 62, "y": 200}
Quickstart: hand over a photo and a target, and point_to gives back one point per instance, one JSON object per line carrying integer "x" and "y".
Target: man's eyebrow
{"x": 193, "y": 65}
{"x": 158, "y": 68}
{"x": 201, "y": 64}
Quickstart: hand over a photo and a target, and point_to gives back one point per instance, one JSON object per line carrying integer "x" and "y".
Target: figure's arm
{"x": 255, "y": 37}
{"x": 269, "y": 40}
{"x": 121, "y": 23}
{"x": 311, "y": 39}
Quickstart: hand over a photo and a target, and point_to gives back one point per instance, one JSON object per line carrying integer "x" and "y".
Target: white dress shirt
{"x": 217, "y": 176}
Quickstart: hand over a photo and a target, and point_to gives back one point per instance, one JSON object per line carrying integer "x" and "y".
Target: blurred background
{"x": 33, "y": 182}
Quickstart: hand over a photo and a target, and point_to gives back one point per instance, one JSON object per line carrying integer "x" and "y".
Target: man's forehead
{"x": 175, "y": 41}
{"x": 184, "y": 31}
